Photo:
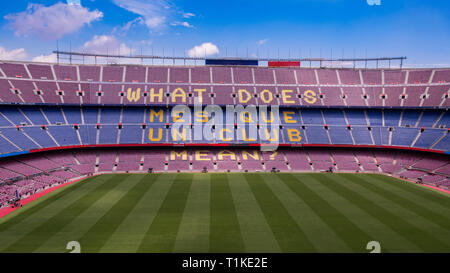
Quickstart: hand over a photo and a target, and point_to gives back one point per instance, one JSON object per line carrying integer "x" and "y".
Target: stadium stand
{"x": 391, "y": 121}
{"x": 88, "y": 84}
{"x": 30, "y": 127}
{"x": 33, "y": 172}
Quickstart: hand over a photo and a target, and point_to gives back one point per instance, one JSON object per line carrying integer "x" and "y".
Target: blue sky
{"x": 418, "y": 29}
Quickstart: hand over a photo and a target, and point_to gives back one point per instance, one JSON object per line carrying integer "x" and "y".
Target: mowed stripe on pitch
{"x": 411, "y": 203}
{"x": 319, "y": 233}
{"x": 413, "y": 192}
{"x": 377, "y": 207}
{"x": 256, "y": 232}
{"x": 430, "y": 195}
{"x": 35, "y": 238}
{"x": 80, "y": 224}
{"x": 225, "y": 234}
{"x": 129, "y": 234}
{"x": 289, "y": 235}
{"x": 193, "y": 233}
{"x": 416, "y": 221}
{"x": 350, "y": 233}
{"x": 134, "y": 188}
{"x": 32, "y": 215}
{"x": 162, "y": 233}
{"x": 376, "y": 230}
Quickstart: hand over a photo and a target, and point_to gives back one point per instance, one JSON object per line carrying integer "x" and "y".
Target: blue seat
{"x": 73, "y": 115}
{"x": 130, "y": 134}
{"x": 340, "y": 135}
{"x": 410, "y": 117}
{"x": 19, "y": 138}
{"x": 311, "y": 116}
{"x": 14, "y": 115}
{"x": 404, "y": 136}
{"x": 429, "y": 118}
{"x": 90, "y": 115}
{"x": 35, "y": 115}
{"x": 88, "y": 134}
{"x": 133, "y": 115}
{"x": 110, "y": 115}
{"x": 361, "y": 135}
{"x": 317, "y": 135}
{"x": 428, "y": 138}
{"x": 375, "y": 117}
{"x": 65, "y": 135}
{"x": 444, "y": 144}
{"x": 108, "y": 134}
{"x": 391, "y": 117}
{"x": 334, "y": 117}
{"x": 356, "y": 117}
{"x": 54, "y": 115}
{"x": 40, "y": 136}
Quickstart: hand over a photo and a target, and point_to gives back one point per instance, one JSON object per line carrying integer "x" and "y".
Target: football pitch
{"x": 245, "y": 212}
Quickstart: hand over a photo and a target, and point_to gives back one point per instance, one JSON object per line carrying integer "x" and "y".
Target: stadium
{"x": 233, "y": 155}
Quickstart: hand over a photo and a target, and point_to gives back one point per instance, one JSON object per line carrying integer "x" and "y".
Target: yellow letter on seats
{"x": 241, "y": 98}
{"x": 310, "y": 96}
{"x": 222, "y": 137}
{"x": 294, "y": 135}
{"x": 174, "y": 155}
{"x": 178, "y": 92}
{"x": 154, "y": 114}
{"x": 223, "y": 153}
{"x": 200, "y": 156}
{"x": 246, "y": 154}
{"x": 263, "y": 97}
{"x": 246, "y": 117}
{"x": 176, "y": 134}
{"x": 285, "y": 95}
{"x": 288, "y": 118}
{"x": 200, "y": 93}
{"x": 153, "y": 95}
{"x": 133, "y": 95}
{"x": 151, "y": 137}
{"x": 202, "y": 116}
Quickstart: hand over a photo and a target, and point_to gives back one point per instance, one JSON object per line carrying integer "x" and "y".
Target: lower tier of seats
{"x": 27, "y": 174}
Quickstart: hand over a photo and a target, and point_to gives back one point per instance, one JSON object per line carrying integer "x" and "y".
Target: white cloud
{"x": 45, "y": 58}
{"x": 74, "y": 2}
{"x": 154, "y": 13}
{"x": 123, "y": 30}
{"x": 184, "y": 24}
{"x": 188, "y": 15}
{"x": 203, "y": 50}
{"x": 102, "y": 44}
{"x": 263, "y": 41}
{"x": 52, "y": 22}
{"x": 128, "y": 25}
{"x": 106, "y": 44}
{"x": 15, "y": 54}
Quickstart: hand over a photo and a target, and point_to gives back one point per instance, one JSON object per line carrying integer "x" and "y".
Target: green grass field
{"x": 232, "y": 213}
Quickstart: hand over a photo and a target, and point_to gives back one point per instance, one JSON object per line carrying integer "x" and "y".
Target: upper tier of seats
{"x": 222, "y": 85}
